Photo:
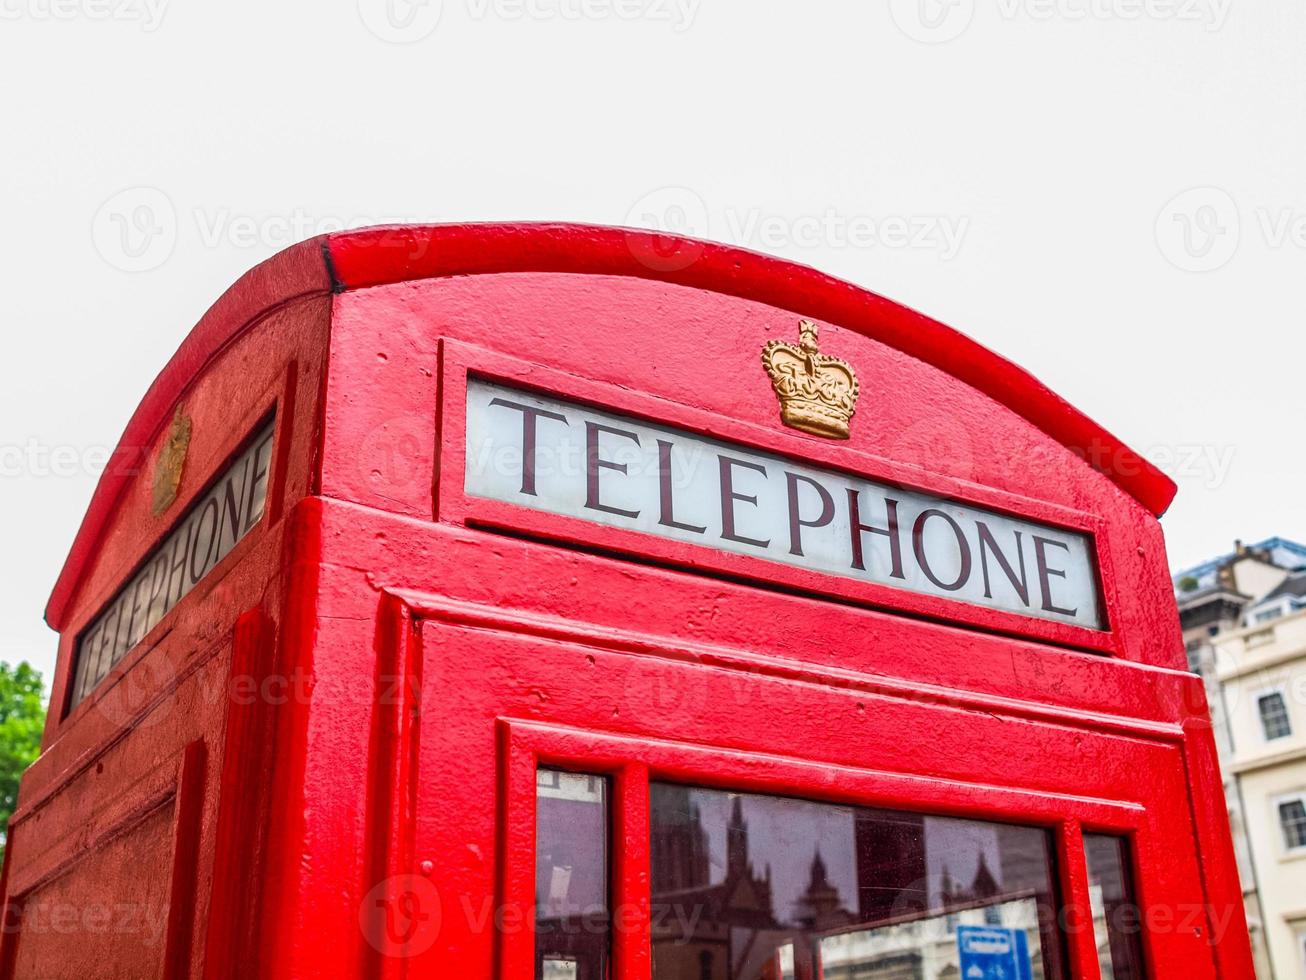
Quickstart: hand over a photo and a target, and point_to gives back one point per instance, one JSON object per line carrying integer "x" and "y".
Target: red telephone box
{"x": 573, "y": 603}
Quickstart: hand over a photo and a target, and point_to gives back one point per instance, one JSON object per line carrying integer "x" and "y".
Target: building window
{"x": 1292, "y": 819}
{"x": 1267, "y": 614}
{"x": 1274, "y": 715}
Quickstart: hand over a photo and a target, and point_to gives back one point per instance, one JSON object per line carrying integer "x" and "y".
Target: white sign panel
{"x": 210, "y": 529}
{"x": 559, "y": 457}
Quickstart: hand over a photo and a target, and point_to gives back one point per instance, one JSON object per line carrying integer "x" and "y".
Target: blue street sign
{"x": 993, "y": 954}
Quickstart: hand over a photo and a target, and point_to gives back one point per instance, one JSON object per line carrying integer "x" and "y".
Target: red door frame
{"x": 1166, "y": 878}
{"x": 633, "y": 763}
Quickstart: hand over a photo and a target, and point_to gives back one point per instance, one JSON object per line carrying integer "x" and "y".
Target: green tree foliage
{"x": 22, "y": 717}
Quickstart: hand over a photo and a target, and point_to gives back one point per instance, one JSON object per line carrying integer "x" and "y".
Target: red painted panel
{"x": 396, "y": 254}
{"x": 73, "y": 926}
{"x": 660, "y": 669}
{"x": 915, "y": 425}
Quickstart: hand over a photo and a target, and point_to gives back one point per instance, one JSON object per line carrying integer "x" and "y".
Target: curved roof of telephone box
{"x": 376, "y": 256}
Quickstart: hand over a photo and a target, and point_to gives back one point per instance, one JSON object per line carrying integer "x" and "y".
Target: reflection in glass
{"x": 749, "y": 887}
{"x": 1116, "y": 919}
{"x": 571, "y": 877}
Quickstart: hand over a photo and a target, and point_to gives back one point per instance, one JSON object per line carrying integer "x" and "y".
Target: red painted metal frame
{"x": 166, "y": 700}
{"x": 179, "y": 785}
{"x": 633, "y": 764}
{"x": 293, "y": 275}
{"x": 569, "y": 736}
{"x": 240, "y": 837}
{"x": 519, "y": 637}
{"x": 277, "y": 401}
{"x": 460, "y": 361}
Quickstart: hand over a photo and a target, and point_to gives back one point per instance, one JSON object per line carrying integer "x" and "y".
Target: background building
{"x": 1244, "y": 621}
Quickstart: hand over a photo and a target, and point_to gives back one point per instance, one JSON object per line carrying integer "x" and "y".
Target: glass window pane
{"x": 1116, "y": 920}
{"x": 750, "y": 887}
{"x": 1274, "y": 716}
{"x": 1292, "y": 817}
{"x": 571, "y": 876}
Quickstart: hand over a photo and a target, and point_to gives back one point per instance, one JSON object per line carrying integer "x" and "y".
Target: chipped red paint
{"x": 354, "y": 700}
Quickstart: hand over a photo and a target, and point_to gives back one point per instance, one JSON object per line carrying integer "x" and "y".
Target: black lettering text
{"x": 796, "y": 521}
{"x": 987, "y": 545}
{"x": 529, "y": 417}
{"x": 963, "y": 550}
{"x": 890, "y": 530}
{"x": 729, "y": 496}
{"x": 1046, "y": 573}
{"x": 593, "y": 464}
{"x": 667, "y": 517}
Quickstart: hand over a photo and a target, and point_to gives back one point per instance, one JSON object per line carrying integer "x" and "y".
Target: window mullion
{"x": 631, "y": 875}
{"x": 1077, "y": 909}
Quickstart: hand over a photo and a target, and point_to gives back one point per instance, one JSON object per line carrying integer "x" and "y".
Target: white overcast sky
{"x": 1112, "y": 193}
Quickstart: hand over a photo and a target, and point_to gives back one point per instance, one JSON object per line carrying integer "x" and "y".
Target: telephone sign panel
{"x": 560, "y": 457}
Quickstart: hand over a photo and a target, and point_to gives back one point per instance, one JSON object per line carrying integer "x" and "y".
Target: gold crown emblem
{"x": 818, "y": 393}
{"x": 170, "y": 462}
